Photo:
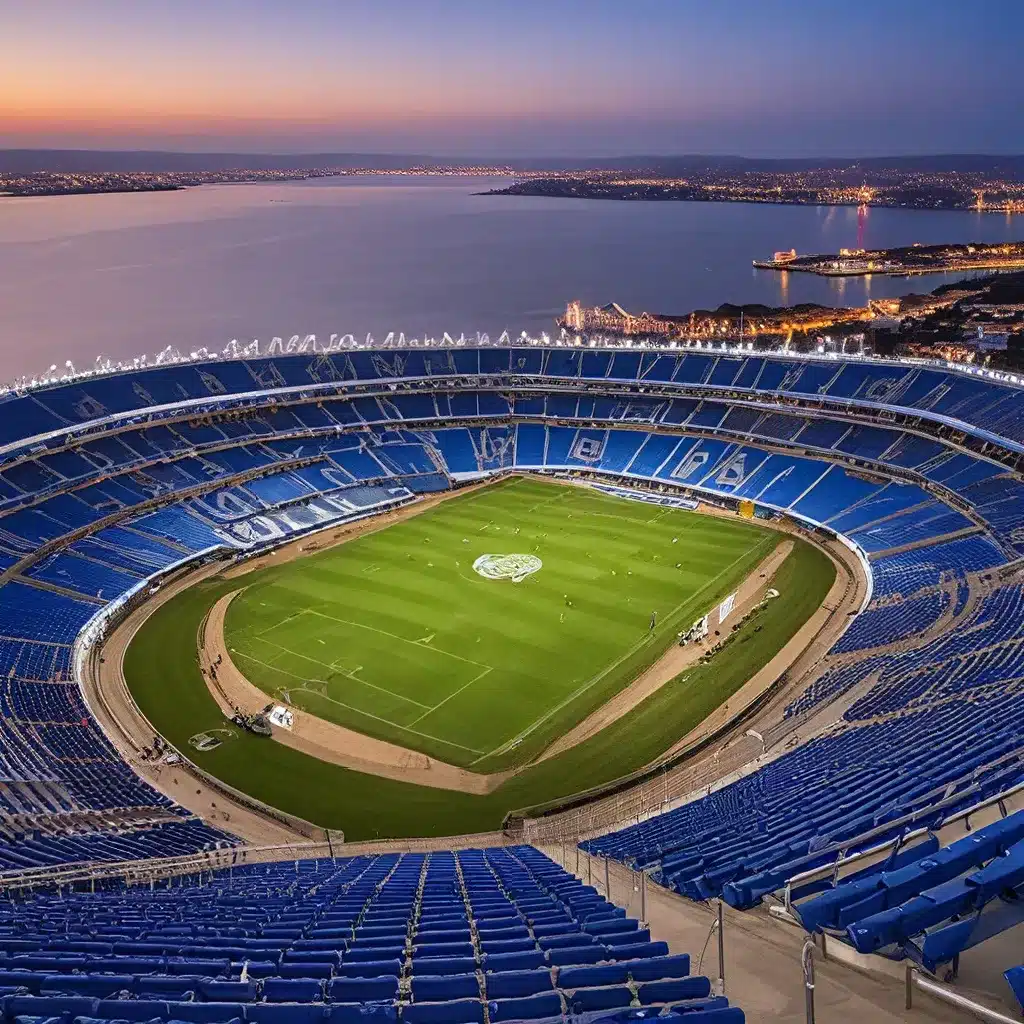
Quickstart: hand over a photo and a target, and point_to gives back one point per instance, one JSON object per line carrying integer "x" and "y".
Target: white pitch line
{"x": 351, "y": 674}
{"x": 450, "y": 695}
{"x": 548, "y": 501}
{"x": 343, "y": 671}
{"x": 612, "y": 515}
{"x": 358, "y": 711}
{"x": 273, "y": 668}
{"x": 288, "y": 618}
{"x": 600, "y": 675}
{"x": 395, "y": 725}
{"x": 393, "y": 636}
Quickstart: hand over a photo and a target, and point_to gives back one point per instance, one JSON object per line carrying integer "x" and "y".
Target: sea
{"x": 121, "y": 275}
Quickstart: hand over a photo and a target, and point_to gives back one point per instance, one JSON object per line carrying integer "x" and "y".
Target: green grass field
{"x": 162, "y": 671}
{"x": 395, "y": 635}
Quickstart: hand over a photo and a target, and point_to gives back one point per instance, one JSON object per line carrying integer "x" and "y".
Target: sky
{"x": 515, "y": 78}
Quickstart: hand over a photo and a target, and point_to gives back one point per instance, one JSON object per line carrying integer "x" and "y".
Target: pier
{"x": 904, "y": 262}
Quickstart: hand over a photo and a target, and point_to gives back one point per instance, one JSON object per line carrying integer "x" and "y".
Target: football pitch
{"x": 397, "y": 635}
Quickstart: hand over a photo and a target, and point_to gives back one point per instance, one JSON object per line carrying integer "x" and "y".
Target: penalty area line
{"x": 287, "y": 618}
{"x": 466, "y": 686}
{"x": 350, "y": 674}
{"x": 549, "y": 501}
{"x": 356, "y": 711}
{"x": 393, "y": 636}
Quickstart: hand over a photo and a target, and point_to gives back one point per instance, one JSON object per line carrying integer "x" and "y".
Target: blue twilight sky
{"x": 493, "y": 78}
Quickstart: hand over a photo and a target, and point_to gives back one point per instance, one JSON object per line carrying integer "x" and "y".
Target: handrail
{"x": 813, "y": 874}
{"x": 807, "y": 966}
{"x": 947, "y": 995}
{"x": 914, "y": 978}
{"x": 716, "y": 926}
{"x": 151, "y": 867}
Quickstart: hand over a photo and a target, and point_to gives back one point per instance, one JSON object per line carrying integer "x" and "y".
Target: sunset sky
{"x": 493, "y": 78}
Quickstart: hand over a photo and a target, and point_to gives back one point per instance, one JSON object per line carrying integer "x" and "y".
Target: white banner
{"x": 726, "y": 607}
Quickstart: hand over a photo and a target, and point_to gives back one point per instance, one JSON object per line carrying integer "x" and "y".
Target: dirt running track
{"x": 107, "y": 693}
{"x": 107, "y": 697}
{"x": 336, "y": 744}
{"x": 748, "y": 595}
{"x": 323, "y": 739}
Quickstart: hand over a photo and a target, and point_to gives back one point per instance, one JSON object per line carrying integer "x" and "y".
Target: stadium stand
{"x": 931, "y": 903}
{"x": 109, "y": 482}
{"x": 443, "y": 937}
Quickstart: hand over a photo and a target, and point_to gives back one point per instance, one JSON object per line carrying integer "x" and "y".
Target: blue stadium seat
{"x": 527, "y": 1008}
{"x": 928, "y": 669}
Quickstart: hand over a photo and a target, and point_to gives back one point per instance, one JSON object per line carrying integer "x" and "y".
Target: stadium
{"x": 428, "y": 681}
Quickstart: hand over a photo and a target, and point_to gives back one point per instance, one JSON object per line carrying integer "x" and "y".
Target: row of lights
{"x": 308, "y": 344}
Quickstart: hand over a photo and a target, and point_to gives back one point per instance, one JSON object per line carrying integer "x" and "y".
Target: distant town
{"x": 914, "y": 189}
{"x": 978, "y": 321}
{"x": 985, "y": 184}
{"x": 60, "y": 183}
{"x": 904, "y": 261}
{"x": 56, "y": 183}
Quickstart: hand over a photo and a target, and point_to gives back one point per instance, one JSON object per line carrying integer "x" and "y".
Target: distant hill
{"x": 91, "y": 160}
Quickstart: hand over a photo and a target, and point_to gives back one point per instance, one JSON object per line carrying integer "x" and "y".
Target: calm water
{"x": 126, "y": 274}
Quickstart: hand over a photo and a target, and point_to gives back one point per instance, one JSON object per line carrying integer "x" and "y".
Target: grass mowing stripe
{"x": 162, "y": 671}
{"x": 334, "y": 667}
{"x": 394, "y": 636}
{"x": 582, "y": 612}
{"x": 611, "y": 668}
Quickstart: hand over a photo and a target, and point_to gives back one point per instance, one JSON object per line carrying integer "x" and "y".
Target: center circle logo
{"x": 507, "y": 567}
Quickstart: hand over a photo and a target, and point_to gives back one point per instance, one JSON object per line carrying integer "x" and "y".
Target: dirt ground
{"x": 113, "y": 705}
{"x": 339, "y": 745}
{"x": 319, "y": 738}
{"x": 748, "y": 595}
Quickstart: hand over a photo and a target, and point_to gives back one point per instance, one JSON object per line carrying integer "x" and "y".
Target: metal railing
{"x": 807, "y": 966}
{"x": 310, "y": 345}
{"x": 716, "y": 926}
{"x": 915, "y": 979}
{"x": 843, "y": 860}
{"x": 134, "y": 872}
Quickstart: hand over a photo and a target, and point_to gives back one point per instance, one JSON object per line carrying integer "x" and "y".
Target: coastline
{"x": 50, "y": 193}
{"x": 894, "y": 272}
{"x": 818, "y": 202}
